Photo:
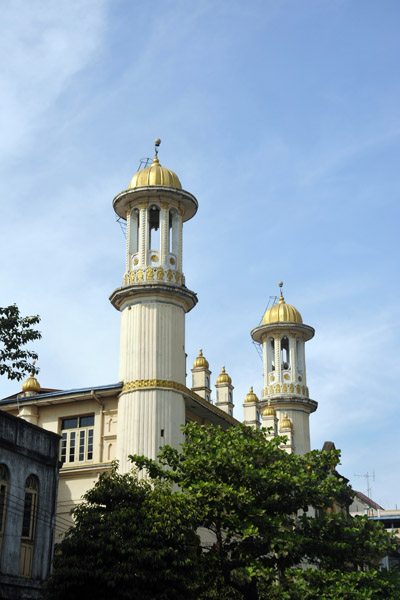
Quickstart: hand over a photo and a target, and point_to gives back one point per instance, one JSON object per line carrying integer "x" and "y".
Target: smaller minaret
{"x": 31, "y": 387}
{"x": 270, "y": 420}
{"x": 283, "y": 336}
{"x": 224, "y": 389}
{"x": 251, "y": 410}
{"x": 201, "y": 377}
{"x": 286, "y": 428}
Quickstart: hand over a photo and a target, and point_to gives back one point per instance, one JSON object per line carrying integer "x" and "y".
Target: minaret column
{"x": 151, "y": 405}
{"x": 284, "y": 324}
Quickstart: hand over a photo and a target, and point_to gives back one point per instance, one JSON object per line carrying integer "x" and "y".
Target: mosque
{"x": 152, "y": 400}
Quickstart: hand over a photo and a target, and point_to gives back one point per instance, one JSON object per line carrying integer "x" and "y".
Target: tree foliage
{"x": 267, "y": 512}
{"x": 229, "y": 516}
{"x": 15, "y": 333}
{"x": 130, "y": 540}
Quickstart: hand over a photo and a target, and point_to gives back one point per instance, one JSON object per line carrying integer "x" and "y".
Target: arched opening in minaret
{"x": 270, "y": 355}
{"x": 285, "y": 360}
{"x": 173, "y": 232}
{"x": 154, "y": 225}
{"x": 134, "y": 231}
{"x": 300, "y": 356}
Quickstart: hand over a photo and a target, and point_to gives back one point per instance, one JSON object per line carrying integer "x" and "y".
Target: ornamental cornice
{"x": 149, "y": 193}
{"x": 262, "y": 331}
{"x": 151, "y": 290}
{"x": 280, "y": 402}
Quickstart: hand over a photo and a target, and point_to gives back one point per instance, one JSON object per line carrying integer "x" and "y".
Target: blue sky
{"x": 283, "y": 119}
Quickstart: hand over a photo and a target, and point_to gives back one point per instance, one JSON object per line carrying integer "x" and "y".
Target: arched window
{"x": 230, "y": 397}
{"x": 28, "y": 526}
{"x": 207, "y": 382}
{"x": 4, "y": 478}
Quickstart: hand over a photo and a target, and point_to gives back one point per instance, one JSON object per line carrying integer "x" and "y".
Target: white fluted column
{"x": 143, "y": 241}
{"x": 164, "y": 233}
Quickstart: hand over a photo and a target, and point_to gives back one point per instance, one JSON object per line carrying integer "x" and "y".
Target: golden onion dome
{"x": 223, "y": 377}
{"x": 282, "y": 313}
{"x": 200, "y": 361}
{"x": 31, "y": 384}
{"x": 251, "y": 396}
{"x": 286, "y": 423}
{"x": 269, "y": 410}
{"x": 155, "y": 174}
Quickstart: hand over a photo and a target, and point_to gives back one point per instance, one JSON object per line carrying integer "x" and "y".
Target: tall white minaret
{"x": 283, "y": 336}
{"x": 153, "y": 301}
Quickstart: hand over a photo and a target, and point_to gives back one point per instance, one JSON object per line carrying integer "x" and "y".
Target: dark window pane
{"x": 86, "y": 421}
{"x": 69, "y": 423}
{"x": 2, "y": 505}
{"x": 26, "y": 520}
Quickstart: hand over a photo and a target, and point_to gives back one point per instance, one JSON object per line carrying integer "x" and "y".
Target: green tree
{"x": 266, "y": 512}
{"x": 16, "y": 332}
{"x": 130, "y": 540}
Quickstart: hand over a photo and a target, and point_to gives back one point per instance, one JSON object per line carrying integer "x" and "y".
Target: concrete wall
{"x": 27, "y": 450}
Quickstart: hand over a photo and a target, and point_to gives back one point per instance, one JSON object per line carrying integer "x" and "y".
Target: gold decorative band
{"x": 174, "y": 385}
{"x": 150, "y": 383}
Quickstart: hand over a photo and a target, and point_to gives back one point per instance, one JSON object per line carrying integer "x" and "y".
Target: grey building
{"x": 28, "y": 495}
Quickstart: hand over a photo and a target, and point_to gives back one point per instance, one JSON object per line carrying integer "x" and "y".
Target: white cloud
{"x": 43, "y": 44}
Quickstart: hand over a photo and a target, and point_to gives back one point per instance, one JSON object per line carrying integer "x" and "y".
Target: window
{"x": 28, "y": 526}
{"x": 77, "y": 439}
{"x": 207, "y": 382}
{"x": 3, "y": 500}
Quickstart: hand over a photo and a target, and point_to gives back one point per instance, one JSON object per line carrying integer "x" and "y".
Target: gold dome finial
{"x": 200, "y": 362}
{"x": 223, "y": 377}
{"x": 281, "y": 298}
{"x": 286, "y": 423}
{"x": 31, "y": 384}
{"x": 157, "y": 142}
{"x": 269, "y": 410}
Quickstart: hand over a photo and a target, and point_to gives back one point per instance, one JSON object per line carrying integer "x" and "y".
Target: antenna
{"x": 271, "y": 301}
{"x": 368, "y": 477}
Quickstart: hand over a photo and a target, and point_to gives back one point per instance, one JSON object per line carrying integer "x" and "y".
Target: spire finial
{"x": 281, "y": 298}
{"x": 157, "y": 142}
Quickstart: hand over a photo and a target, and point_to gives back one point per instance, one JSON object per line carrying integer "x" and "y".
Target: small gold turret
{"x": 223, "y": 377}
{"x": 200, "y": 362}
{"x": 251, "y": 396}
{"x": 269, "y": 410}
{"x": 286, "y": 423}
{"x": 31, "y": 384}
